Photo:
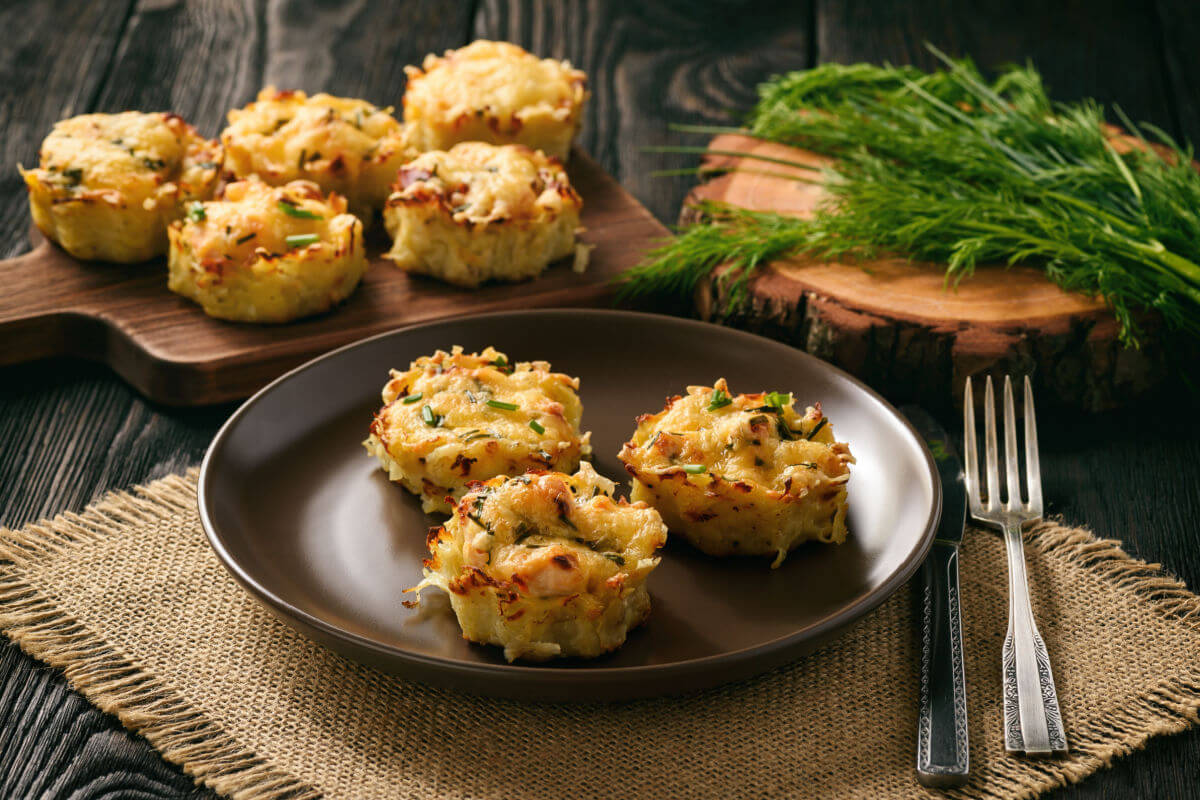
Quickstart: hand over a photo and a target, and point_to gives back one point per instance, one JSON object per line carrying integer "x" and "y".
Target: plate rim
{"x": 781, "y": 645}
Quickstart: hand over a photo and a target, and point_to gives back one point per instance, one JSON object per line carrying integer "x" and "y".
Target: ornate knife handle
{"x": 943, "y": 755}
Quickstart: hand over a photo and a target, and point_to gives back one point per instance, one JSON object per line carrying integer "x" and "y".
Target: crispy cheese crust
{"x": 343, "y": 145}
{"x": 233, "y": 255}
{"x": 494, "y": 92}
{"x": 741, "y": 475}
{"x": 546, "y": 565}
{"x": 479, "y": 212}
{"x": 454, "y": 418}
{"x": 107, "y": 185}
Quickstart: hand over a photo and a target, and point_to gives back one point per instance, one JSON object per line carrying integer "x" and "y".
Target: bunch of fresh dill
{"x": 950, "y": 168}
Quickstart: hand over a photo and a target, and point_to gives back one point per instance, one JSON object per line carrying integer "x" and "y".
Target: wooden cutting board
{"x": 896, "y": 323}
{"x": 168, "y": 349}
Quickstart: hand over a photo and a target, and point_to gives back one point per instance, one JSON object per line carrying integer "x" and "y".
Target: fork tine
{"x": 992, "y": 450}
{"x": 969, "y": 446}
{"x": 1032, "y": 469}
{"x": 1012, "y": 465}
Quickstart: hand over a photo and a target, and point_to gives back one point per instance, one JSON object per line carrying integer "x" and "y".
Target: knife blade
{"x": 943, "y": 753}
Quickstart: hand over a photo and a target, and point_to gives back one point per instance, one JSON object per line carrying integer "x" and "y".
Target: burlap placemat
{"x": 130, "y": 602}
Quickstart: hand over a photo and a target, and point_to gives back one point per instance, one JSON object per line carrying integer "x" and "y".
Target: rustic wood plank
{"x": 1179, "y": 32}
{"x": 652, "y": 64}
{"x": 1105, "y": 49}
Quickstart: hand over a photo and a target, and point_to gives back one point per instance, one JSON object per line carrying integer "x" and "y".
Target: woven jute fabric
{"x": 128, "y": 600}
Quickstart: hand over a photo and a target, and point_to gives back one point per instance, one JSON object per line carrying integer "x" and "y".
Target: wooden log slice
{"x": 900, "y": 327}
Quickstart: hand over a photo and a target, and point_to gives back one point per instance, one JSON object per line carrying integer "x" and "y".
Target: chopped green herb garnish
{"x": 431, "y": 419}
{"x": 616, "y": 559}
{"x": 719, "y": 400}
{"x": 537, "y": 426}
{"x": 816, "y": 429}
{"x": 779, "y": 400}
{"x": 293, "y": 210}
{"x": 502, "y": 364}
{"x": 695, "y": 469}
{"x": 503, "y": 405}
{"x": 73, "y": 174}
{"x": 412, "y": 398}
{"x": 471, "y": 397}
{"x": 302, "y": 240}
{"x": 246, "y": 238}
{"x": 196, "y": 212}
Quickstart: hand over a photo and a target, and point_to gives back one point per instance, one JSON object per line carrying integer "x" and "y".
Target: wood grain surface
{"x": 71, "y": 430}
{"x": 170, "y": 351}
{"x": 898, "y": 324}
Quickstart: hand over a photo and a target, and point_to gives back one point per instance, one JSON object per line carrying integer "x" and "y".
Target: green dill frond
{"x": 948, "y": 167}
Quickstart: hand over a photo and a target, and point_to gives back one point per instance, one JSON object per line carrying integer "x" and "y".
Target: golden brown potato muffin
{"x": 107, "y": 185}
{"x": 457, "y": 417}
{"x": 546, "y": 565}
{"x": 479, "y": 212}
{"x": 343, "y": 145}
{"x": 741, "y": 475}
{"x": 267, "y": 254}
{"x": 494, "y": 92}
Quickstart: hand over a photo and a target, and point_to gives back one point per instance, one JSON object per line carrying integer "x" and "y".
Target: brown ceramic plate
{"x": 309, "y": 524}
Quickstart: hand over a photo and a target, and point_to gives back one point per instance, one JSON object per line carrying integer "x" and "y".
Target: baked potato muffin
{"x": 454, "y": 418}
{"x": 494, "y": 92}
{"x": 261, "y": 253}
{"x": 107, "y": 185}
{"x": 741, "y": 474}
{"x": 343, "y": 145}
{"x": 546, "y": 565}
{"x": 479, "y": 212}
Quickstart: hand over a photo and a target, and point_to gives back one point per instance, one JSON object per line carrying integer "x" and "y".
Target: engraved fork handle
{"x": 942, "y": 747}
{"x": 1032, "y": 721}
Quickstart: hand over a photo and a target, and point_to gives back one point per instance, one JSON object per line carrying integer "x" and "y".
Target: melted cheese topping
{"x": 478, "y": 183}
{"x": 133, "y": 153}
{"x": 497, "y": 92}
{"x": 342, "y": 144}
{"x": 234, "y": 257}
{"x": 453, "y": 418}
{"x": 553, "y": 535}
{"x": 498, "y": 78}
{"x": 546, "y": 564}
{"x": 746, "y": 439}
{"x": 252, "y": 220}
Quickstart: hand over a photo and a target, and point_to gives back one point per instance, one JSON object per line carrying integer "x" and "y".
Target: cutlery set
{"x": 1032, "y": 721}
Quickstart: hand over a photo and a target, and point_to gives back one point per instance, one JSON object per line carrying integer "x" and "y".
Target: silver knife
{"x": 943, "y": 756}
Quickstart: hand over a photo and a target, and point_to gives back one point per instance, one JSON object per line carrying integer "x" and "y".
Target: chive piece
{"x": 293, "y": 210}
{"x": 502, "y": 364}
{"x": 246, "y": 238}
{"x": 779, "y": 399}
{"x": 616, "y": 559}
{"x": 719, "y": 400}
{"x": 302, "y": 240}
{"x": 471, "y": 397}
{"x": 431, "y": 419}
{"x": 695, "y": 469}
{"x": 412, "y": 398}
{"x": 503, "y": 405}
{"x": 537, "y": 426}
{"x": 196, "y": 212}
{"x": 817, "y": 428}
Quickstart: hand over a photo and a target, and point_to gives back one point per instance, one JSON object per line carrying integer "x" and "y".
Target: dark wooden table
{"x": 70, "y": 431}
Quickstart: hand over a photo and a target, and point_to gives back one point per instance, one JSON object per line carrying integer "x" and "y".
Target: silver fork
{"x": 1032, "y": 721}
